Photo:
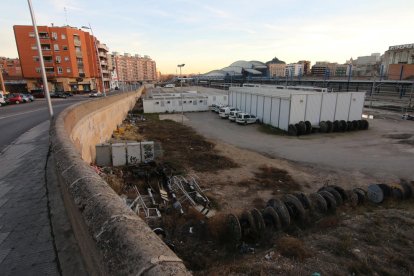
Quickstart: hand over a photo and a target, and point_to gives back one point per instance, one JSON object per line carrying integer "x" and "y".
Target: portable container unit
{"x": 189, "y": 103}
{"x": 281, "y": 107}
{"x": 103, "y": 154}
{"x": 133, "y": 153}
{"x": 119, "y": 154}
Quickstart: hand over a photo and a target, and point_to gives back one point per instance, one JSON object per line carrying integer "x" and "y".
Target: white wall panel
{"x": 243, "y": 102}
{"x": 260, "y": 101}
{"x": 249, "y": 103}
{"x": 297, "y": 108}
{"x": 284, "y": 114}
{"x": 357, "y": 104}
{"x": 267, "y": 110}
{"x": 239, "y": 96}
{"x": 254, "y": 105}
{"x": 328, "y": 106}
{"x": 313, "y": 108}
{"x": 274, "y": 121}
{"x": 342, "y": 106}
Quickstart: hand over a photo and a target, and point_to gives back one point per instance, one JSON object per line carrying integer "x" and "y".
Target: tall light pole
{"x": 42, "y": 64}
{"x": 181, "y": 81}
{"x": 97, "y": 56}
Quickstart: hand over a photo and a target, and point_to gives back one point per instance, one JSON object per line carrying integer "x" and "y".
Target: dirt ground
{"x": 363, "y": 240}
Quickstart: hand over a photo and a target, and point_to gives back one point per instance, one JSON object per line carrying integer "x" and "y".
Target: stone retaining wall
{"x": 113, "y": 240}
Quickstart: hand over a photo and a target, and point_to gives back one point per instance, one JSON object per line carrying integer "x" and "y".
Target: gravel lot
{"x": 385, "y": 152}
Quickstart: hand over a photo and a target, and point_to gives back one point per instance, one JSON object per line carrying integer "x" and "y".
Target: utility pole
{"x": 3, "y": 88}
{"x": 42, "y": 64}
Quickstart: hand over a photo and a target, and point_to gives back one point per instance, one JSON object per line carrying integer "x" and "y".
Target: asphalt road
{"x": 18, "y": 119}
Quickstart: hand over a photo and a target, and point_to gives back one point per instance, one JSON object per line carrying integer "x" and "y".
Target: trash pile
{"x": 301, "y": 208}
{"x": 303, "y": 128}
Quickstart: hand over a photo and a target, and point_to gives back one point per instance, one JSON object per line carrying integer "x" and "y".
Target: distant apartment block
{"x": 399, "y": 62}
{"x": 294, "y": 70}
{"x": 306, "y": 66}
{"x": 11, "y": 68}
{"x": 70, "y": 57}
{"x": 132, "y": 69}
{"x": 277, "y": 70}
{"x": 330, "y": 69}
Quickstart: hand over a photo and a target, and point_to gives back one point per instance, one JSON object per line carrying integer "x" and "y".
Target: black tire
{"x": 386, "y": 190}
{"x": 302, "y": 127}
{"x": 365, "y": 124}
{"x": 342, "y": 125}
{"x": 398, "y": 192}
{"x": 303, "y": 198}
{"x": 318, "y": 203}
{"x": 298, "y": 130}
{"x": 330, "y": 126}
{"x": 334, "y": 192}
{"x": 295, "y": 207}
{"x": 247, "y": 225}
{"x": 352, "y": 198}
{"x": 258, "y": 222}
{"x": 323, "y": 127}
{"x": 245, "y": 123}
{"x": 271, "y": 218}
{"x": 362, "y": 195}
{"x": 292, "y": 130}
{"x": 408, "y": 190}
{"x": 281, "y": 210}
{"x": 234, "y": 231}
{"x": 341, "y": 191}
{"x": 349, "y": 126}
{"x": 330, "y": 200}
{"x": 308, "y": 127}
{"x": 360, "y": 125}
{"x": 355, "y": 125}
{"x": 336, "y": 126}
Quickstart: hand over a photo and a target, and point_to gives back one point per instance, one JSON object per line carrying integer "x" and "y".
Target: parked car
{"x": 245, "y": 118}
{"x": 225, "y": 111}
{"x": 69, "y": 94}
{"x": 95, "y": 94}
{"x": 57, "y": 95}
{"x": 217, "y": 108}
{"x": 170, "y": 85}
{"x": 25, "y": 98}
{"x": 30, "y": 96}
{"x": 38, "y": 93}
{"x": 233, "y": 115}
{"x": 14, "y": 99}
{"x": 2, "y": 100}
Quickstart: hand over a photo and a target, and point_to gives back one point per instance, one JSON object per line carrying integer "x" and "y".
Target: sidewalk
{"x": 27, "y": 243}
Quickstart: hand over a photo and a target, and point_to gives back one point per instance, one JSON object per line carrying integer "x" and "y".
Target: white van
{"x": 233, "y": 115}
{"x": 2, "y": 100}
{"x": 225, "y": 111}
{"x": 244, "y": 118}
{"x": 170, "y": 85}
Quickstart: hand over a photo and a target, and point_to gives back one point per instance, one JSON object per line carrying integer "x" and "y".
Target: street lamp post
{"x": 97, "y": 56}
{"x": 181, "y": 77}
{"x": 42, "y": 64}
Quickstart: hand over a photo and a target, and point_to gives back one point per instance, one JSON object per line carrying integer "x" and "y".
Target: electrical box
{"x": 103, "y": 155}
{"x": 119, "y": 155}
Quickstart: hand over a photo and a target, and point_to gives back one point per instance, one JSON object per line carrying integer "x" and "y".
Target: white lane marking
{"x": 21, "y": 113}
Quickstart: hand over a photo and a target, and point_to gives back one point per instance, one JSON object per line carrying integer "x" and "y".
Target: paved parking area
{"x": 371, "y": 152}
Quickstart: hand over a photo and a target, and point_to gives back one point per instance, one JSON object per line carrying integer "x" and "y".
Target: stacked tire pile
{"x": 303, "y": 128}
{"x": 300, "y": 208}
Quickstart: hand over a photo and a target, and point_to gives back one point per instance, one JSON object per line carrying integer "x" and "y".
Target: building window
{"x": 34, "y": 47}
{"x": 31, "y": 34}
{"x": 56, "y": 47}
{"x": 38, "y": 70}
{"x": 58, "y": 59}
{"x": 36, "y": 58}
{"x": 63, "y": 36}
{"x": 65, "y": 48}
{"x": 66, "y": 58}
{"x": 68, "y": 70}
{"x": 54, "y": 36}
{"x": 60, "y": 70}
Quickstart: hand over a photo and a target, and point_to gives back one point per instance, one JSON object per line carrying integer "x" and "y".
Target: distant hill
{"x": 275, "y": 60}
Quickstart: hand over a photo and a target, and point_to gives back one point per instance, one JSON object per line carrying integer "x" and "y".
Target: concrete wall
{"x": 113, "y": 240}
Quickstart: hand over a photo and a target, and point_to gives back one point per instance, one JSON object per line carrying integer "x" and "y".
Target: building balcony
{"x": 78, "y": 54}
{"x": 103, "y": 47}
{"x": 77, "y": 42}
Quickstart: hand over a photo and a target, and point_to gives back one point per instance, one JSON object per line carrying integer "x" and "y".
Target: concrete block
{"x": 133, "y": 153}
{"x": 118, "y": 154}
{"x": 147, "y": 149}
{"x": 103, "y": 154}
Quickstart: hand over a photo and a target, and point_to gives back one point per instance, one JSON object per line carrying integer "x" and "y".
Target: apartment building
{"x": 132, "y": 69}
{"x": 294, "y": 70}
{"x": 70, "y": 57}
{"x": 11, "y": 68}
{"x": 399, "y": 62}
{"x": 306, "y": 66}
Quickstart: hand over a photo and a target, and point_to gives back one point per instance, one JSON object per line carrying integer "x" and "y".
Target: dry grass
{"x": 291, "y": 247}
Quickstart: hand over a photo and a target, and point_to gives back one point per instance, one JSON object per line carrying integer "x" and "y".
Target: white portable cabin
{"x": 281, "y": 107}
{"x": 175, "y": 102}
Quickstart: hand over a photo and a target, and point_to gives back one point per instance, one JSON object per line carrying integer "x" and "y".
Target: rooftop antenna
{"x": 66, "y": 15}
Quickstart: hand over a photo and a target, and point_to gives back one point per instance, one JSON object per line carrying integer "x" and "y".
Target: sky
{"x": 208, "y": 35}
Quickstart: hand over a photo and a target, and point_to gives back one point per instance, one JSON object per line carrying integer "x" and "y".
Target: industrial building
{"x": 280, "y": 107}
{"x": 161, "y": 100}
{"x": 399, "y": 62}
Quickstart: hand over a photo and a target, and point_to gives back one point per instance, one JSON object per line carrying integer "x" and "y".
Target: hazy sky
{"x": 207, "y": 35}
